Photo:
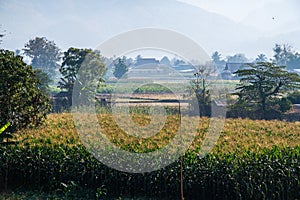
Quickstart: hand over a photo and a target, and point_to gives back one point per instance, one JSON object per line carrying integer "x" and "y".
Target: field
{"x": 238, "y": 135}
{"x": 160, "y": 86}
{"x": 252, "y": 160}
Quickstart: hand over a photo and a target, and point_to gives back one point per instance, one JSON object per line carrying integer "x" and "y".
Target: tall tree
{"x": 261, "y": 58}
{"x": 44, "y": 54}
{"x": 22, "y": 102}
{"x": 260, "y": 88}
{"x": 44, "y": 80}
{"x": 217, "y": 58}
{"x": 237, "y": 58}
{"x": 120, "y": 67}
{"x": 282, "y": 53}
{"x": 218, "y": 61}
{"x": 200, "y": 87}
{"x": 285, "y": 55}
{"x": 72, "y": 61}
{"x": 294, "y": 61}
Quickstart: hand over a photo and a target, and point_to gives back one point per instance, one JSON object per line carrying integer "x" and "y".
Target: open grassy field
{"x": 251, "y": 160}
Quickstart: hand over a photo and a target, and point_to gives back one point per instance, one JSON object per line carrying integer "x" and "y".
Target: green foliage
{"x": 104, "y": 88}
{"x": 284, "y": 104}
{"x": 120, "y": 67}
{"x": 152, "y": 88}
{"x": 285, "y": 55}
{"x": 261, "y": 58}
{"x": 22, "y": 103}
{"x": 260, "y": 88}
{"x": 237, "y": 58}
{"x": 3, "y": 128}
{"x": 142, "y": 89}
{"x": 199, "y": 86}
{"x": 216, "y": 56}
{"x": 294, "y": 97}
{"x": 218, "y": 61}
{"x": 44, "y": 81}
{"x": 52, "y": 160}
{"x": 4, "y": 136}
{"x": 45, "y": 55}
{"x": 72, "y": 61}
{"x": 272, "y": 174}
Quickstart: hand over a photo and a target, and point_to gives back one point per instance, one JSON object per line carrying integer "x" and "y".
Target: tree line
{"x": 284, "y": 55}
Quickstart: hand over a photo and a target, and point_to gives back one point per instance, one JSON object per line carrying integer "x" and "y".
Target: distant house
{"x": 165, "y": 61}
{"x": 220, "y": 103}
{"x": 144, "y": 61}
{"x": 144, "y": 68}
{"x": 186, "y": 70}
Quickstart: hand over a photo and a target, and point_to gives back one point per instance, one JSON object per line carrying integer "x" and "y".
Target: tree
{"x": 237, "y": 58}
{"x": 285, "y": 55}
{"x": 282, "y": 53}
{"x": 216, "y": 57}
{"x": 260, "y": 88}
{"x": 261, "y": 58}
{"x": 73, "y": 59}
{"x": 44, "y": 80}
{"x": 294, "y": 97}
{"x": 294, "y": 61}
{"x": 2, "y": 34}
{"x": 22, "y": 103}
{"x": 45, "y": 55}
{"x": 120, "y": 67}
{"x": 199, "y": 86}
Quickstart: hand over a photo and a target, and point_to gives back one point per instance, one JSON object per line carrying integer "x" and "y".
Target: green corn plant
{"x": 5, "y": 136}
{"x": 3, "y": 128}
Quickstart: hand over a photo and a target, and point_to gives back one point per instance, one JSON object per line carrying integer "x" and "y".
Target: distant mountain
{"x": 88, "y": 23}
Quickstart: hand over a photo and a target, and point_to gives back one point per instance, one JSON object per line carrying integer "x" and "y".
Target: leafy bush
{"x": 294, "y": 97}
{"x": 244, "y": 110}
{"x": 285, "y": 105}
{"x": 152, "y": 88}
{"x": 22, "y": 102}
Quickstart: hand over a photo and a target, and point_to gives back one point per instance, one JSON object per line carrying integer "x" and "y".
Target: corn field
{"x": 252, "y": 160}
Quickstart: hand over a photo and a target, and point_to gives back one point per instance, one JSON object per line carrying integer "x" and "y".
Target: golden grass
{"x": 238, "y": 135}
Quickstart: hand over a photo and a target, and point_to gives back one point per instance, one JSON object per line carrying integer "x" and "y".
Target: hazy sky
{"x": 234, "y": 9}
{"x": 266, "y": 15}
{"x": 250, "y": 27}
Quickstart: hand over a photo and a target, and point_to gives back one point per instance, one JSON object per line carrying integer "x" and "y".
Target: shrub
{"x": 22, "y": 103}
{"x": 294, "y": 97}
